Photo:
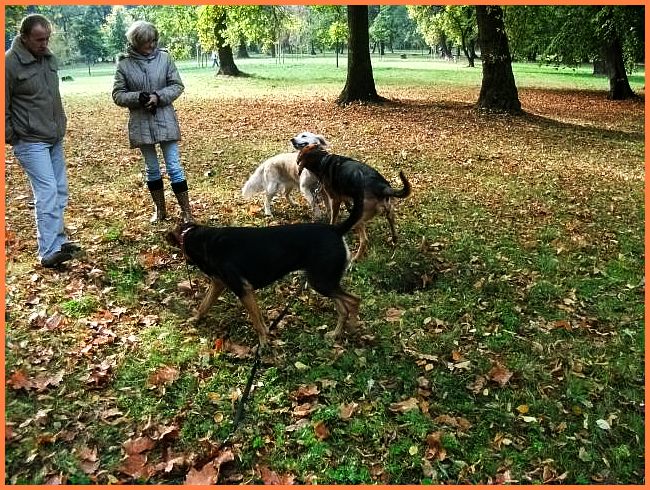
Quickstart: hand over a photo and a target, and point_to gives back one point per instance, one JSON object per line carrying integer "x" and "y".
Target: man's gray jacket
{"x": 33, "y": 107}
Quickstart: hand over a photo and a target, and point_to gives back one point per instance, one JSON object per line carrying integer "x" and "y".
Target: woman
{"x": 147, "y": 82}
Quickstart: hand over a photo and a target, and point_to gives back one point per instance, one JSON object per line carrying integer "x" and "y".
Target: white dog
{"x": 280, "y": 174}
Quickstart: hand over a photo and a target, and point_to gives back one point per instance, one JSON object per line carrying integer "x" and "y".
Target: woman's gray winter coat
{"x": 153, "y": 73}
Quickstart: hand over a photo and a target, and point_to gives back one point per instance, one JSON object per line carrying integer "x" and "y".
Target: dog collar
{"x": 181, "y": 238}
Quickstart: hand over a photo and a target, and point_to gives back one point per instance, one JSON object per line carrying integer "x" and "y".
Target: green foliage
{"x": 115, "y": 32}
{"x": 77, "y": 308}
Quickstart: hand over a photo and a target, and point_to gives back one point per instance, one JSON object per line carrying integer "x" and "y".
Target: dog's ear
{"x": 322, "y": 141}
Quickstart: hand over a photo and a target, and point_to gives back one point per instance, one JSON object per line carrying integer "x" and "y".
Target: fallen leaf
{"x": 238, "y": 350}
{"x": 347, "y": 410}
{"x": 435, "y": 449}
{"x": 499, "y": 374}
{"x": 321, "y": 431}
{"x": 394, "y": 314}
{"x": 18, "y": 380}
{"x": 207, "y": 475}
{"x": 135, "y": 465}
{"x": 163, "y": 376}
{"x": 603, "y": 424}
{"x": 139, "y": 445}
{"x": 477, "y": 385}
{"x": 405, "y": 406}
{"x": 270, "y": 477}
{"x": 305, "y": 392}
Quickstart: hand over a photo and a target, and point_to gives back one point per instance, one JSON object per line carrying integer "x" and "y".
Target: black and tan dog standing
{"x": 343, "y": 177}
{"x": 244, "y": 259}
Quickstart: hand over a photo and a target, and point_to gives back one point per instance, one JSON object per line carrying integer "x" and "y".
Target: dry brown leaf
{"x": 207, "y": 475}
{"x": 270, "y": 477}
{"x": 55, "y": 321}
{"x": 459, "y": 422}
{"x": 42, "y": 381}
{"x": 321, "y": 431}
{"x": 237, "y": 350}
{"x": 303, "y": 410}
{"x": 18, "y": 380}
{"x": 305, "y": 392}
{"x": 347, "y": 410}
{"x": 500, "y": 374}
{"x": 139, "y": 445}
{"x": 435, "y": 449}
{"x": 163, "y": 376}
{"x": 405, "y": 406}
{"x": 477, "y": 385}
{"x": 135, "y": 465}
{"x": 394, "y": 314}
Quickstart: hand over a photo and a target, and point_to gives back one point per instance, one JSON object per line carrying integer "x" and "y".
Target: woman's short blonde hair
{"x": 141, "y": 32}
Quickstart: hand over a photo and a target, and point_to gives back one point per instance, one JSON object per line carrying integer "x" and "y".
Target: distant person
{"x": 35, "y": 125}
{"x": 147, "y": 82}
{"x": 215, "y": 59}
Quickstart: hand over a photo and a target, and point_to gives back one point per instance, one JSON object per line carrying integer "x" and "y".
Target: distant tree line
{"x": 609, "y": 36}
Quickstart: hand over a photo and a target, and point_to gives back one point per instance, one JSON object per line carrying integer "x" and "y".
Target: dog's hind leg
{"x": 390, "y": 217}
{"x": 362, "y": 233}
{"x": 270, "y": 191}
{"x": 211, "y": 296}
{"x": 250, "y": 303}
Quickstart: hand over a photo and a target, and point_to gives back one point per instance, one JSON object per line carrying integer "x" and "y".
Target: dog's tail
{"x": 255, "y": 183}
{"x": 355, "y": 215}
{"x": 404, "y": 191}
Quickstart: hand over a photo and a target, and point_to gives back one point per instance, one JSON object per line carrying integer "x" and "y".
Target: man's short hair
{"x": 141, "y": 32}
{"x": 28, "y": 23}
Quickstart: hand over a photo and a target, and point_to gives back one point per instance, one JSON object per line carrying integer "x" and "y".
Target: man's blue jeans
{"x": 172, "y": 161}
{"x": 44, "y": 165}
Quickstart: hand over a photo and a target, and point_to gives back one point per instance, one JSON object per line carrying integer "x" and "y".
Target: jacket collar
{"x": 23, "y": 54}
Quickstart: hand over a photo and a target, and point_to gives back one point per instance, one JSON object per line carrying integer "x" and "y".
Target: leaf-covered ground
{"x": 501, "y": 341}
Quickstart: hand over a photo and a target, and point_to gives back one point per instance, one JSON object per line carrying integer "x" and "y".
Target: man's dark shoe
{"x": 71, "y": 248}
{"x": 56, "y": 259}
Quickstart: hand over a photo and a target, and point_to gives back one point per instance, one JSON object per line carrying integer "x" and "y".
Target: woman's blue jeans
{"x": 44, "y": 165}
{"x": 172, "y": 161}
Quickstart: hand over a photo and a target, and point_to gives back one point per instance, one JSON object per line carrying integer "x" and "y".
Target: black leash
{"x": 239, "y": 414}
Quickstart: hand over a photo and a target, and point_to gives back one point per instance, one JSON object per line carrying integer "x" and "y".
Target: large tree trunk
{"x": 498, "y": 89}
{"x": 360, "y": 84}
{"x": 619, "y": 85}
{"x": 227, "y": 64}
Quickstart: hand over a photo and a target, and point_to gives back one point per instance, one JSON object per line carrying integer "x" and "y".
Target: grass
{"x": 521, "y": 247}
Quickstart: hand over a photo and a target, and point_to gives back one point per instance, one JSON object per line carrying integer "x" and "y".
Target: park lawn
{"x": 501, "y": 340}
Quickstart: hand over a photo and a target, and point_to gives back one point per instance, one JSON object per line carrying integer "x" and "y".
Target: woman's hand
{"x": 153, "y": 101}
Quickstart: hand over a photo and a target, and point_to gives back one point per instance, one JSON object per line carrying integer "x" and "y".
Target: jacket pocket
{"x": 27, "y": 83}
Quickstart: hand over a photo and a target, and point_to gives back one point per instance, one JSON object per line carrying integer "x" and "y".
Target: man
{"x": 35, "y": 126}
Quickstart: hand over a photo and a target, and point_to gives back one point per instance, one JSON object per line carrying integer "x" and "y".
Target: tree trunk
{"x": 360, "y": 84}
{"x": 498, "y": 89}
{"x": 227, "y": 64}
{"x": 619, "y": 85}
{"x": 445, "y": 49}
{"x": 242, "y": 51}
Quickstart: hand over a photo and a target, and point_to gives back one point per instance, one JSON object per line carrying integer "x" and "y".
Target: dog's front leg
{"x": 347, "y": 306}
{"x": 211, "y": 296}
{"x": 250, "y": 303}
